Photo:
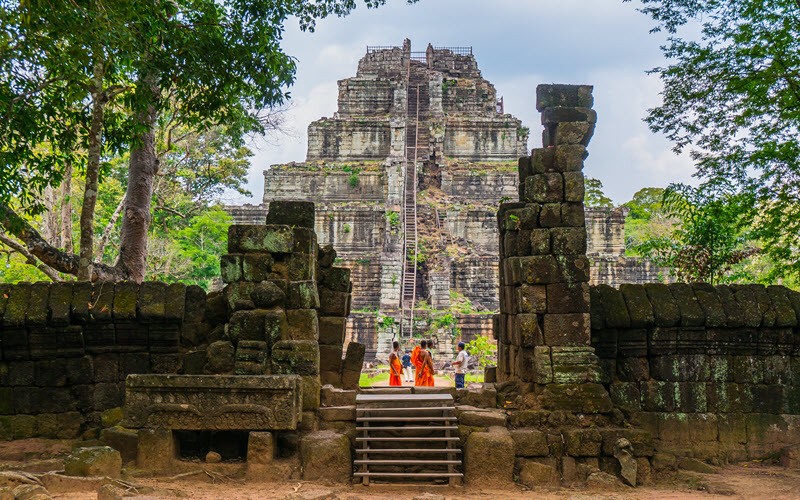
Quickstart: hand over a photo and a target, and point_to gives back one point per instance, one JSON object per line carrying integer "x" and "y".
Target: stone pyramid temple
{"x": 407, "y": 177}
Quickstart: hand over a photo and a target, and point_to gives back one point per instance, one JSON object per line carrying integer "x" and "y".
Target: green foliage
{"x": 393, "y": 218}
{"x": 447, "y": 322}
{"x": 203, "y": 241}
{"x": 595, "y": 197}
{"x": 523, "y": 131}
{"x": 731, "y": 97}
{"x": 483, "y": 350}
{"x": 352, "y": 180}
{"x": 646, "y": 219}
{"x": 710, "y": 236}
{"x": 346, "y": 228}
{"x": 394, "y": 279}
{"x": 385, "y": 322}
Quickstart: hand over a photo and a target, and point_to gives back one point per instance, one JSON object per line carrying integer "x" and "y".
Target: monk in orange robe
{"x": 424, "y": 363}
{"x": 395, "y": 367}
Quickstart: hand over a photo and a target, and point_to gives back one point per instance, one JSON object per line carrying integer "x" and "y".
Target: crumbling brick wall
{"x": 710, "y": 369}
{"x": 66, "y": 348}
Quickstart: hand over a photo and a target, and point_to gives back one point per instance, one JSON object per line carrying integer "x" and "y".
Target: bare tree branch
{"x": 109, "y": 227}
{"x": 49, "y": 271}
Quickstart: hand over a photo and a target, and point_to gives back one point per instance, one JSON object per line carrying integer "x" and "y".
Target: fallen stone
{"x": 489, "y": 458}
{"x": 30, "y": 492}
{"x": 212, "y": 457}
{"x": 790, "y": 457}
{"x": 94, "y": 461}
{"x": 125, "y": 441}
{"x": 602, "y": 481}
{"x": 533, "y": 474}
{"x": 623, "y": 452}
{"x": 111, "y": 417}
{"x": 325, "y": 456}
{"x": 695, "y": 465}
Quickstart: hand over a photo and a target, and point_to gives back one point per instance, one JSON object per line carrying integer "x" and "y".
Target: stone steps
{"x": 407, "y": 437}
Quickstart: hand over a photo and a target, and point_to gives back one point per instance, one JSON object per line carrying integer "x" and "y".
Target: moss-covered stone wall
{"x": 711, "y": 369}
{"x": 66, "y": 348}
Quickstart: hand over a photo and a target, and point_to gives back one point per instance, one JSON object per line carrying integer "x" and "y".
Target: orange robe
{"x": 424, "y": 375}
{"x": 396, "y": 366}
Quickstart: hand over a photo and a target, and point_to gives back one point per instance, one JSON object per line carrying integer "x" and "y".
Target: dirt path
{"x": 751, "y": 481}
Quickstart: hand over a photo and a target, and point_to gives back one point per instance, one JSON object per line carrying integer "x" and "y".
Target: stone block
{"x": 530, "y": 443}
{"x": 528, "y": 332}
{"x": 568, "y": 240}
{"x": 539, "y": 242}
{"x": 311, "y": 387}
{"x": 247, "y": 325}
{"x": 152, "y": 297}
{"x": 639, "y": 307}
{"x": 220, "y": 357}
{"x": 484, "y": 396}
{"x": 534, "y": 474}
{"x": 267, "y": 294}
{"x": 542, "y": 160}
{"x": 544, "y": 188}
{"x": 583, "y": 442}
{"x": 665, "y": 309}
{"x": 574, "y": 188}
{"x": 482, "y": 418}
{"x": 252, "y": 358}
{"x": 330, "y": 358}
{"x": 125, "y": 441}
{"x": 257, "y": 267}
{"x": 691, "y": 312}
{"x": 93, "y": 461}
{"x": 615, "y": 311}
{"x": 354, "y": 357}
{"x": 277, "y": 239}
{"x": 560, "y": 114}
{"x": 489, "y": 458}
{"x": 212, "y": 402}
{"x": 332, "y": 396}
{"x": 581, "y": 398}
{"x": 350, "y": 379}
{"x": 550, "y": 215}
{"x": 337, "y": 413}
{"x": 326, "y": 256}
{"x": 710, "y": 303}
{"x": 300, "y": 357}
{"x": 156, "y": 450}
{"x": 332, "y": 330}
{"x": 291, "y": 213}
{"x": 301, "y": 267}
{"x": 567, "y": 298}
{"x": 336, "y": 278}
{"x": 230, "y": 268}
{"x": 572, "y": 133}
{"x": 303, "y": 295}
{"x": 334, "y": 303}
{"x": 558, "y": 95}
{"x": 302, "y": 324}
{"x": 784, "y": 312}
{"x": 58, "y": 304}
{"x": 531, "y": 299}
{"x": 325, "y": 456}
{"x": 36, "y": 313}
{"x": 571, "y": 329}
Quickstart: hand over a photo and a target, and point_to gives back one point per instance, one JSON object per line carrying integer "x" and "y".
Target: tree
{"x": 732, "y": 95}
{"x": 595, "y": 197}
{"x": 483, "y": 350}
{"x": 206, "y": 62}
{"x": 646, "y": 218}
{"x": 709, "y": 237}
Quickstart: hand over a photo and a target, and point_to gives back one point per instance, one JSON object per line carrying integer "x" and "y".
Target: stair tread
{"x": 368, "y": 461}
{"x": 408, "y": 450}
{"x": 408, "y": 474}
{"x": 404, "y": 438}
{"x": 410, "y": 428}
{"x": 410, "y": 408}
{"x": 403, "y": 418}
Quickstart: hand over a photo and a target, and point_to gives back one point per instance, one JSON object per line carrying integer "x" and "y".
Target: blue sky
{"x": 518, "y": 44}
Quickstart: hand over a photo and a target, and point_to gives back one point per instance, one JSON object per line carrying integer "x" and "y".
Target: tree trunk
{"x": 86, "y": 256}
{"x": 66, "y": 209}
{"x": 142, "y": 171}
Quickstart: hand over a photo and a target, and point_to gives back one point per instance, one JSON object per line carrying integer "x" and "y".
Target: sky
{"x": 518, "y": 44}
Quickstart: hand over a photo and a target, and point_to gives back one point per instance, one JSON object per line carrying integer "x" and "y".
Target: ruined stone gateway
{"x": 594, "y": 385}
{"x": 407, "y": 177}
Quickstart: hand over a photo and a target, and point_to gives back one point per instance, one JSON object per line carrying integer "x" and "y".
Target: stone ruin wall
{"x": 66, "y": 349}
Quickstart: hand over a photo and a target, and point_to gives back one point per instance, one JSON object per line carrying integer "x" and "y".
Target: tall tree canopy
{"x": 82, "y": 80}
{"x": 732, "y": 96}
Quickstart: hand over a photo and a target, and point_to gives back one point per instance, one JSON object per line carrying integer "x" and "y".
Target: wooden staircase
{"x": 407, "y": 438}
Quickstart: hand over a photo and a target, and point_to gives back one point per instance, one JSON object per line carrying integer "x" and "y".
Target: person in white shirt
{"x": 460, "y": 365}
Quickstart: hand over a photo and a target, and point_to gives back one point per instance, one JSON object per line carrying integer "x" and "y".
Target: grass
{"x": 368, "y": 380}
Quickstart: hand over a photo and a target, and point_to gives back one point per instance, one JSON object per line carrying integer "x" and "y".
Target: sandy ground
{"x": 751, "y": 480}
{"x": 745, "y": 482}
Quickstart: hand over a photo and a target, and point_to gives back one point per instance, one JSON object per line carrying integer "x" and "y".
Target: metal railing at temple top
{"x": 378, "y": 48}
{"x": 459, "y": 51}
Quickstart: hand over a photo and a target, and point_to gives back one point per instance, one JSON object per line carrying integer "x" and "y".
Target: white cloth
{"x": 408, "y": 374}
{"x": 461, "y": 359}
